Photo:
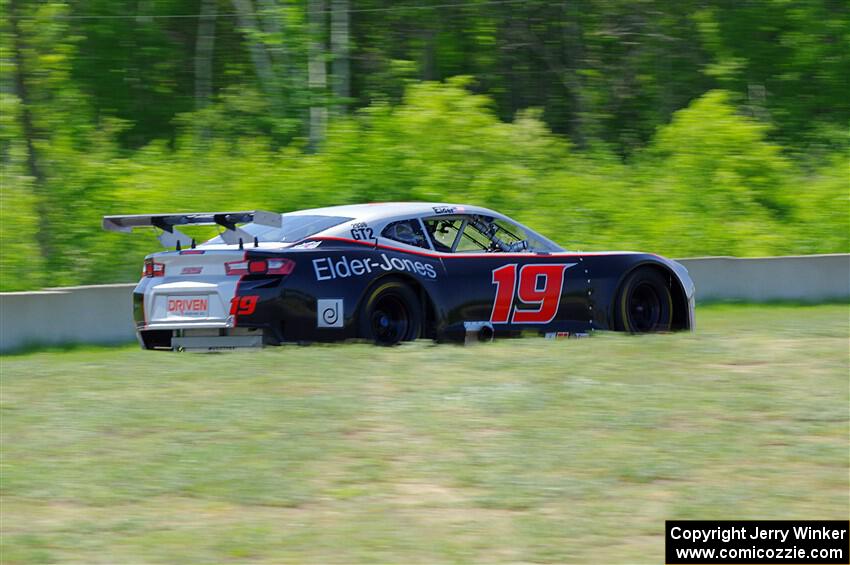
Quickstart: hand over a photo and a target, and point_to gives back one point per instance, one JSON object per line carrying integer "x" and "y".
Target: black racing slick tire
{"x": 644, "y": 303}
{"x": 390, "y": 314}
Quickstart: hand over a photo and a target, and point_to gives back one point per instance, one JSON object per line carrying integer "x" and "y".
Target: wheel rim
{"x": 390, "y": 320}
{"x": 644, "y": 308}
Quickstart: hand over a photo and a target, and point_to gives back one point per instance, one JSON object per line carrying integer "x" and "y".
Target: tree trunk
{"x": 429, "y": 54}
{"x": 317, "y": 79}
{"x": 272, "y": 25}
{"x": 340, "y": 52}
{"x": 259, "y": 55}
{"x": 204, "y": 47}
{"x": 574, "y": 53}
{"x": 43, "y": 234}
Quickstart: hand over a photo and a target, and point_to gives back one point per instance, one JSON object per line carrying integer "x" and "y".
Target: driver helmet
{"x": 404, "y": 233}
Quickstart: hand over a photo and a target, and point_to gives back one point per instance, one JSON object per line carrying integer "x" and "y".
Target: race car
{"x": 388, "y": 273}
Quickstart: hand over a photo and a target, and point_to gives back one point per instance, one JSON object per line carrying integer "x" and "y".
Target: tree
{"x": 340, "y": 66}
{"x": 317, "y": 71}
{"x": 33, "y": 137}
{"x": 204, "y": 48}
{"x": 259, "y": 55}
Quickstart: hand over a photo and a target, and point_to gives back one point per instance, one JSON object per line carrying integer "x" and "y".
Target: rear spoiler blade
{"x": 170, "y": 236}
{"x": 166, "y": 222}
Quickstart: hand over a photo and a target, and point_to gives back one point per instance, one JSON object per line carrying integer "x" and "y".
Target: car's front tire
{"x": 391, "y": 314}
{"x": 644, "y": 303}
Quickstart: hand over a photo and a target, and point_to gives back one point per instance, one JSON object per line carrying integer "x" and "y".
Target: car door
{"x": 492, "y": 279}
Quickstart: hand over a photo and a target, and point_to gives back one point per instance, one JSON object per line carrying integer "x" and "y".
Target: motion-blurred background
{"x": 682, "y": 127}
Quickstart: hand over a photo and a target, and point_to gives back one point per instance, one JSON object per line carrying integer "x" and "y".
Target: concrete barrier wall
{"x": 103, "y": 314}
{"x": 82, "y": 314}
{"x": 808, "y": 278}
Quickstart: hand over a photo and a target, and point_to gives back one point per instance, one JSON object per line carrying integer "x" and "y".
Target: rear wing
{"x": 170, "y": 236}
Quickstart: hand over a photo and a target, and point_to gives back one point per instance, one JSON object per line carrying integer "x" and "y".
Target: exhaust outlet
{"x": 478, "y": 332}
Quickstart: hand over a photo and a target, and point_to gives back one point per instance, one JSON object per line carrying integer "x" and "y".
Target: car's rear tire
{"x": 644, "y": 303}
{"x": 391, "y": 314}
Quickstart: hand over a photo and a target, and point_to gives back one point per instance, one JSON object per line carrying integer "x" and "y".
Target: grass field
{"x": 520, "y": 451}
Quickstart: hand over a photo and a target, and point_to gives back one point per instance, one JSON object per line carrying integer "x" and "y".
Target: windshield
{"x": 293, "y": 228}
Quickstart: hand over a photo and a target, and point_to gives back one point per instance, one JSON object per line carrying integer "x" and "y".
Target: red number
{"x": 539, "y": 285}
{"x": 505, "y": 280}
{"x": 244, "y": 305}
{"x": 547, "y": 298}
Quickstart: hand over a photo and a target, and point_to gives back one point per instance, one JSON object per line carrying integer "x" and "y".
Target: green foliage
{"x": 709, "y": 183}
{"x": 711, "y": 162}
{"x": 673, "y": 127}
{"x": 21, "y": 266}
{"x": 823, "y": 198}
{"x": 599, "y": 69}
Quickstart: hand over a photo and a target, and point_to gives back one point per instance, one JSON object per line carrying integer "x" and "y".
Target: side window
{"x": 443, "y": 232}
{"x": 520, "y": 239}
{"x": 509, "y": 233}
{"x": 478, "y": 234}
{"x": 408, "y": 232}
{"x": 473, "y": 240}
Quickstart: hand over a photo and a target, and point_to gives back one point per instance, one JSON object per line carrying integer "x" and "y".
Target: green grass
{"x": 519, "y": 451}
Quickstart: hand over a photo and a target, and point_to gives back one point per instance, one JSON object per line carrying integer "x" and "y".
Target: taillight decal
{"x": 153, "y": 269}
{"x": 257, "y": 267}
{"x": 280, "y": 266}
{"x": 236, "y": 267}
{"x": 272, "y": 266}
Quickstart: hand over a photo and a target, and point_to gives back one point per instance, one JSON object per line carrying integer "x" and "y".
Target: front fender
{"x": 680, "y": 272}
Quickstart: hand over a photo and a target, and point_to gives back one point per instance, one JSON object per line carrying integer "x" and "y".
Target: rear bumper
{"x": 200, "y": 339}
{"x": 150, "y": 310}
{"x": 219, "y": 330}
{"x": 216, "y": 343}
{"x": 189, "y": 325}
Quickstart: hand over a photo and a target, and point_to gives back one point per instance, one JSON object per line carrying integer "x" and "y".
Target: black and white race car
{"x": 388, "y": 273}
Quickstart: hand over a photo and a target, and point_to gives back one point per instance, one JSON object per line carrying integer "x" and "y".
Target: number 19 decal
{"x": 243, "y": 304}
{"x": 540, "y": 285}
